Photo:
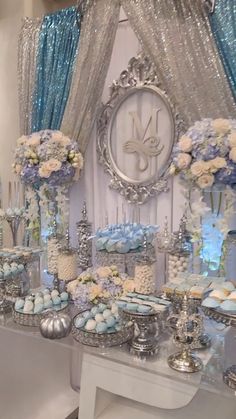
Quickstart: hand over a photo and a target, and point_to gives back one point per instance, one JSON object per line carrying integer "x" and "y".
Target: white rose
{"x": 205, "y": 181}
{"x": 34, "y": 140}
{"x": 172, "y": 169}
{"x": 185, "y": 144}
{"x": 183, "y": 161}
{"x": 218, "y": 163}
{"x": 22, "y": 140}
{"x": 221, "y": 126}
{"x": 18, "y": 169}
{"x": 57, "y": 135}
{"x": 232, "y": 154}
{"x": 232, "y": 139}
{"x": 53, "y": 165}
{"x": 44, "y": 172}
{"x": 198, "y": 168}
{"x": 104, "y": 271}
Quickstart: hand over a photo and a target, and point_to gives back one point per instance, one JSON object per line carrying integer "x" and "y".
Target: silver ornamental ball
{"x": 55, "y": 325}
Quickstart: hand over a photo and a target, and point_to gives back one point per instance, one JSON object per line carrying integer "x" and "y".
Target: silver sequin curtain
{"x": 95, "y": 48}
{"x": 177, "y": 36}
{"x": 27, "y": 51}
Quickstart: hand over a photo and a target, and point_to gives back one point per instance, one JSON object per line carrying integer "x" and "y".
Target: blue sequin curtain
{"x": 58, "y": 41}
{"x": 223, "y": 23}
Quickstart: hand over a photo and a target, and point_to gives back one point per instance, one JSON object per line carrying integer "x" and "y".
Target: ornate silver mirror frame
{"x": 144, "y": 149}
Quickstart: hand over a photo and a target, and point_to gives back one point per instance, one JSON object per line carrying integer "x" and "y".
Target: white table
{"x": 116, "y": 386}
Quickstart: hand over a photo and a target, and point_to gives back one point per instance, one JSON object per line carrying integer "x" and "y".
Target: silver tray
{"x": 102, "y": 339}
{"x": 220, "y": 316}
{"x": 33, "y": 320}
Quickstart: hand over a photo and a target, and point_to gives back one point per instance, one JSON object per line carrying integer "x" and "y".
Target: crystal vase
{"x": 210, "y": 214}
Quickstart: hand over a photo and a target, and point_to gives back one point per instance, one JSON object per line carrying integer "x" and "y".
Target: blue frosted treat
{"x": 46, "y": 291}
{"x": 101, "y": 327}
{"x": 38, "y": 294}
{"x": 64, "y": 296}
{"x": 121, "y": 304}
{"x": 110, "y": 321}
{"x": 38, "y": 300}
{"x": 21, "y": 268}
{"x": 228, "y": 305}
{"x": 106, "y": 313}
{"x": 102, "y": 307}
{"x": 132, "y": 307}
{"x": 56, "y": 300}
{"x": 95, "y": 310}
{"x": 87, "y": 315}
{"x": 19, "y": 304}
{"x": 210, "y": 302}
{"x": 111, "y": 330}
{"x": 7, "y": 273}
{"x": 47, "y": 304}
{"x": 142, "y": 296}
{"x": 118, "y": 327}
{"x": 38, "y": 308}
{"x": 80, "y": 322}
{"x": 132, "y": 294}
{"x": 144, "y": 309}
{"x": 64, "y": 304}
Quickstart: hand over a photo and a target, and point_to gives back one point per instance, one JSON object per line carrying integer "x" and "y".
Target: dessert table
{"x": 39, "y": 374}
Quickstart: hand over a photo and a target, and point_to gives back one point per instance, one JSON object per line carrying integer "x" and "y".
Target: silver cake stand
{"x": 145, "y": 340}
{"x": 229, "y": 375}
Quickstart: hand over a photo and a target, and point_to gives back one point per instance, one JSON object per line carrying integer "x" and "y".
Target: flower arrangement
{"x": 102, "y": 283}
{"x": 47, "y": 156}
{"x": 206, "y": 154}
{"x": 47, "y": 163}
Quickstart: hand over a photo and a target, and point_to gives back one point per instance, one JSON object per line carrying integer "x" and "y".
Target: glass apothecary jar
{"x": 145, "y": 275}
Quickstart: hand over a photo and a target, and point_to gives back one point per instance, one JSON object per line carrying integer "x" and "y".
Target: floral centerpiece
{"x": 205, "y": 158}
{"x": 47, "y": 157}
{"x": 103, "y": 283}
{"x": 47, "y": 163}
{"x": 206, "y": 154}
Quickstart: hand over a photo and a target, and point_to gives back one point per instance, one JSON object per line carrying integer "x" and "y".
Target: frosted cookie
{"x": 228, "y": 305}
{"x": 218, "y": 294}
{"x": 210, "y": 302}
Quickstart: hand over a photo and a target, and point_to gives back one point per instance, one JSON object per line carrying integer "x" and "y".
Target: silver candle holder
{"x": 188, "y": 330}
{"x": 84, "y": 233}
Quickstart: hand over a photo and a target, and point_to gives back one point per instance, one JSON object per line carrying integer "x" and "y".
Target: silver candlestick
{"x": 188, "y": 330}
{"x": 84, "y": 233}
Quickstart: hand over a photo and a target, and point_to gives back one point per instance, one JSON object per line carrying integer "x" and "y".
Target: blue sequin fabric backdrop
{"x": 58, "y": 42}
{"x": 223, "y": 23}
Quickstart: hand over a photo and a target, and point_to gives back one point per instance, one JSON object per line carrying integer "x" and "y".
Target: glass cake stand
{"x": 229, "y": 375}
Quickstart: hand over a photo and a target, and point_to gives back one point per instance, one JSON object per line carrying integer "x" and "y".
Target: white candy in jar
{"x": 144, "y": 278}
{"x": 176, "y": 265}
{"x": 53, "y": 248}
{"x": 67, "y": 265}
